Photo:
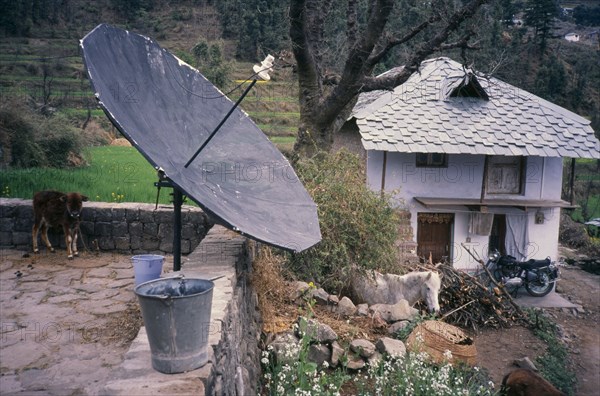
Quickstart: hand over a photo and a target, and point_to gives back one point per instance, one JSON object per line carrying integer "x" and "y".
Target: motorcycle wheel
{"x": 541, "y": 286}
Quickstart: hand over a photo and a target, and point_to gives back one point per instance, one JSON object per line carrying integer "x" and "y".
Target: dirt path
{"x": 64, "y": 323}
{"x": 497, "y": 349}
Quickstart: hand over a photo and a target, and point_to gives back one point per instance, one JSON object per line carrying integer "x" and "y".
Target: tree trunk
{"x": 324, "y": 109}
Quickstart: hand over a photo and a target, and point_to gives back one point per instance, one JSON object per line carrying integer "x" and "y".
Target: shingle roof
{"x": 419, "y": 116}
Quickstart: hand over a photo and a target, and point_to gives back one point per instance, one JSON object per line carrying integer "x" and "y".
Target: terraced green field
{"x": 34, "y": 68}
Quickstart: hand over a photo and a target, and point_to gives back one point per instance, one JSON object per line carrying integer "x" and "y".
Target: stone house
{"x": 472, "y": 160}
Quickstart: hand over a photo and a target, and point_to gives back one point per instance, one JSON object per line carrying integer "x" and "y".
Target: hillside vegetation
{"x": 41, "y": 68}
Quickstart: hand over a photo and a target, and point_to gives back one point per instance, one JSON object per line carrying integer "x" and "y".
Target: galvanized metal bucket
{"x": 176, "y": 313}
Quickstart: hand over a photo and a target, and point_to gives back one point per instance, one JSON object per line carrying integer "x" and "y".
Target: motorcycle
{"x": 538, "y": 276}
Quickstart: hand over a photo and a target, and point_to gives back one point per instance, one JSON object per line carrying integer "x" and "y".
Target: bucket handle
{"x": 165, "y": 299}
{"x": 182, "y": 276}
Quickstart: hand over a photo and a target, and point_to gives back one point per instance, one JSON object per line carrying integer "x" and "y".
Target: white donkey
{"x": 390, "y": 289}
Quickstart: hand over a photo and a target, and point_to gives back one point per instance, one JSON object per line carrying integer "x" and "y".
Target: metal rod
{"x": 221, "y": 123}
{"x": 177, "y": 202}
{"x": 572, "y": 182}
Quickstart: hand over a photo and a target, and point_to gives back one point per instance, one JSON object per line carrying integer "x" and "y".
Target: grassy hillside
{"x": 46, "y": 68}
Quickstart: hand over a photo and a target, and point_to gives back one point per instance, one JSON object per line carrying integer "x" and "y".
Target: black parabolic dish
{"x": 167, "y": 109}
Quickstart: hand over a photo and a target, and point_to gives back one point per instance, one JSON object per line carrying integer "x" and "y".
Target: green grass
{"x": 113, "y": 174}
{"x": 593, "y": 209}
{"x": 283, "y": 139}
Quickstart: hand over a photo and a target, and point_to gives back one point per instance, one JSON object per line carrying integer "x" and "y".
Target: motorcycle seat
{"x": 532, "y": 264}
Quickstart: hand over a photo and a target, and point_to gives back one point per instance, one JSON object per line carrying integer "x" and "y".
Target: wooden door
{"x": 434, "y": 234}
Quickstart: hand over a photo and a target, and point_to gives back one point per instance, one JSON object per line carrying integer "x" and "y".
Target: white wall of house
{"x": 463, "y": 178}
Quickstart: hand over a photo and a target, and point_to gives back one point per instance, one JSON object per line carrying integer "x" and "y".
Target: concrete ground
{"x": 62, "y": 321}
{"x": 550, "y": 300}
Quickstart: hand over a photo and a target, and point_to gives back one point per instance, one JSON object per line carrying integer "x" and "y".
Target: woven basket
{"x": 438, "y": 337}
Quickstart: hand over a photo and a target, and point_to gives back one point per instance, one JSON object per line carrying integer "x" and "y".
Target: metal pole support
{"x": 177, "y": 202}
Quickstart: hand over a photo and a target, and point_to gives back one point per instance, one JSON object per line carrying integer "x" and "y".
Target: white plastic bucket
{"x": 147, "y": 267}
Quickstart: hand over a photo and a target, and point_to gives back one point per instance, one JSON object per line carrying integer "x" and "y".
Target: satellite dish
{"x": 168, "y": 110}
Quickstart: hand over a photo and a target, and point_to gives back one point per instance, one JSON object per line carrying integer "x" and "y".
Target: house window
{"x": 432, "y": 160}
{"x": 505, "y": 175}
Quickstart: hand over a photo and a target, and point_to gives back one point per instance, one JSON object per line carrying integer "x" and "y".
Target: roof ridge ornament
{"x": 469, "y": 87}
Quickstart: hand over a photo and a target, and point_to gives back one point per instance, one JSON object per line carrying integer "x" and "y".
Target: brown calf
{"x": 54, "y": 209}
{"x": 524, "y": 382}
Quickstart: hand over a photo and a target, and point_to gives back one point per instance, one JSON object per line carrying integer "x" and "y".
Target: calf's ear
{"x": 84, "y": 198}
{"x": 63, "y": 198}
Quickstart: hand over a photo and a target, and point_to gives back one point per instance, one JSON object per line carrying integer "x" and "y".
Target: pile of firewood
{"x": 470, "y": 302}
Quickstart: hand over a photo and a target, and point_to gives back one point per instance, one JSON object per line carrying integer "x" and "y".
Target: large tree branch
{"x": 395, "y": 41}
{"x": 436, "y": 43}
{"x": 356, "y": 66}
{"x": 440, "y": 38}
{"x": 322, "y": 115}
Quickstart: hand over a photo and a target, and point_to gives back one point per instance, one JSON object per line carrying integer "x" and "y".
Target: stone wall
{"x": 235, "y": 352}
{"x": 122, "y": 227}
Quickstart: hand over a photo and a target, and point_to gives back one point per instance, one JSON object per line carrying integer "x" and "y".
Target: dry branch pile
{"x": 467, "y": 303}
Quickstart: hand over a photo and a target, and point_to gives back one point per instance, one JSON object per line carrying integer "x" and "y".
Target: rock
{"x": 362, "y": 309}
{"x": 319, "y": 353}
{"x": 333, "y": 299}
{"x": 285, "y": 347}
{"x": 346, "y": 307}
{"x": 299, "y": 289}
{"x": 320, "y": 296}
{"x": 397, "y": 326}
{"x": 558, "y": 288}
{"x": 525, "y": 363}
{"x": 318, "y": 332}
{"x": 378, "y": 321}
{"x": 355, "y": 363}
{"x": 336, "y": 354}
{"x": 364, "y": 348}
{"x": 393, "y": 313}
{"x": 391, "y": 347}
{"x": 375, "y": 359}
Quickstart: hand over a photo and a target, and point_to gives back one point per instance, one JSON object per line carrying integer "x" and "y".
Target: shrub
{"x": 573, "y": 234}
{"x": 29, "y": 139}
{"x": 358, "y": 226}
{"x": 18, "y": 130}
{"x": 299, "y": 375}
{"x": 209, "y": 61}
{"x": 59, "y": 141}
{"x": 413, "y": 374}
{"x": 554, "y": 362}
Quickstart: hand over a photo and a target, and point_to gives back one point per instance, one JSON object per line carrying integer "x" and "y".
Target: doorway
{"x": 434, "y": 235}
{"x": 498, "y": 234}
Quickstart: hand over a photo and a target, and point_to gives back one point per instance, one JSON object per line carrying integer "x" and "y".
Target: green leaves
{"x": 358, "y": 226}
